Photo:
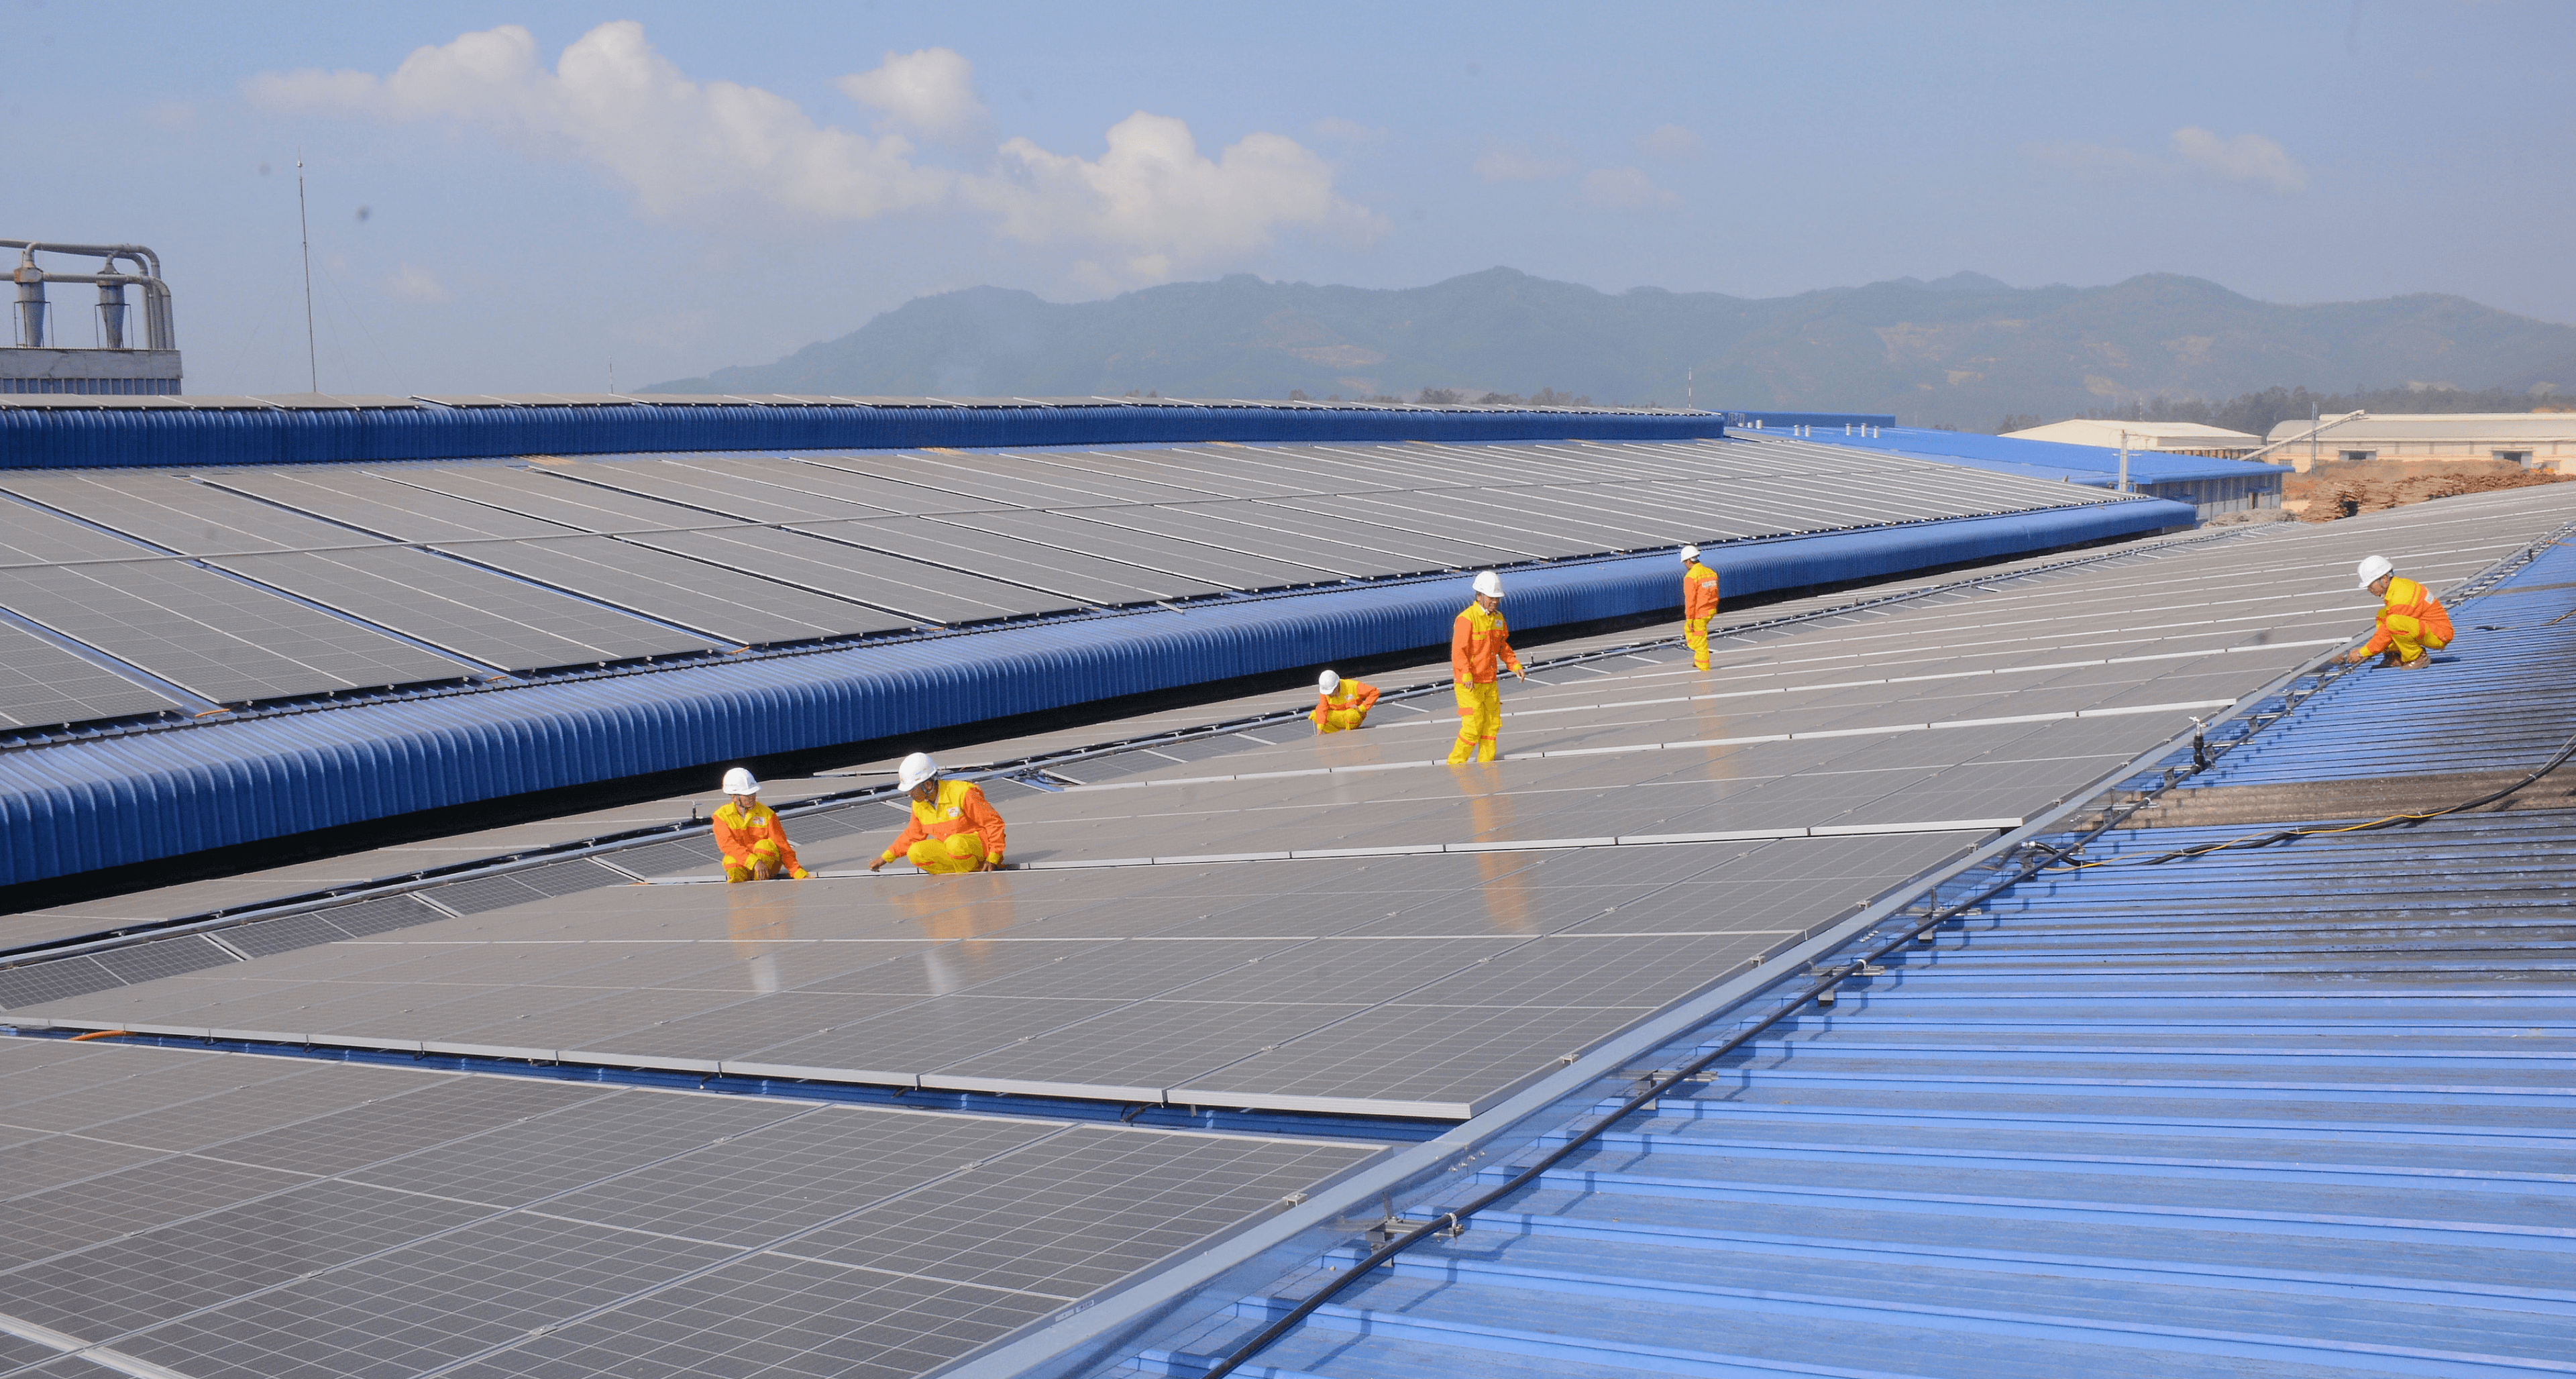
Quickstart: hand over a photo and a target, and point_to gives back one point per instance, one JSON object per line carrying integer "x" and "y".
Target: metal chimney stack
{"x": 111, "y": 311}
{"x": 31, "y": 301}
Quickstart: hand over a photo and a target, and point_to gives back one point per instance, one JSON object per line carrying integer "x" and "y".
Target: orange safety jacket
{"x": 2410, "y": 599}
{"x": 959, "y": 808}
{"x": 1354, "y": 694}
{"x": 737, "y": 831}
{"x": 1699, "y": 592}
{"x": 1476, "y": 641}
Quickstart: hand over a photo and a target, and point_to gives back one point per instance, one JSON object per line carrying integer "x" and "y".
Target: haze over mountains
{"x": 1963, "y": 351}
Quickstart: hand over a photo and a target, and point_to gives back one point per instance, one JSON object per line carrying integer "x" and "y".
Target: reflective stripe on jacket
{"x": 1476, "y": 641}
{"x": 1699, "y": 591}
{"x": 737, "y": 832}
{"x": 2415, "y": 601}
{"x": 959, "y": 808}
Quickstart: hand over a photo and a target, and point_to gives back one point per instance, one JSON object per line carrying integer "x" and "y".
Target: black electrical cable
{"x": 1455, "y": 1219}
{"x": 2288, "y": 834}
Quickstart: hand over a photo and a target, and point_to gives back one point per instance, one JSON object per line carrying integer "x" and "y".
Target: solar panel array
{"x": 217, "y": 1214}
{"x": 131, "y": 591}
{"x": 1394, "y": 937}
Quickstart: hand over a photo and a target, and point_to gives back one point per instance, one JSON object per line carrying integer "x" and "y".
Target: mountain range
{"x": 1962, "y": 351}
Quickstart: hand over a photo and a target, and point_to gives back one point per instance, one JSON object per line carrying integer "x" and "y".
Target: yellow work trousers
{"x": 954, "y": 853}
{"x": 1695, "y": 632}
{"x": 762, "y": 852}
{"x": 1341, "y": 720}
{"x": 2406, "y": 639}
{"x": 1480, "y": 719}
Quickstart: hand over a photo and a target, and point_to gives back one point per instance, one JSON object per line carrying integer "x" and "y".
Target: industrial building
{"x": 119, "y": 359}
{"x": 2171, "y": 437}
{"x": 2533, "y": 440}
{"x": 371, "y": 1001}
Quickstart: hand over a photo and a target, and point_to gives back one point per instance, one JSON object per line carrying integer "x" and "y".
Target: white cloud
{"x": 2248, "y": 158}
{"x": 1505, "y": 165}
{"x": 1624, "y": 187}
{"x": 1669, "y": 141}
{"x": 415, "y": 284}
{"x": 687, "y": 150}
{"x": 931, "y": 91}
{"x": 2245, "y": 158}
{"x": 718, "y": 153}
{"x": 1164, "y": 207}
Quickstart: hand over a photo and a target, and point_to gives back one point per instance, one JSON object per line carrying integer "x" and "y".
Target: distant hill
{"x": 1964, "y": 351}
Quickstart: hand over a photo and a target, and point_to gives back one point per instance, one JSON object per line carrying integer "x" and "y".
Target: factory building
{"x": 2532, "y": 440}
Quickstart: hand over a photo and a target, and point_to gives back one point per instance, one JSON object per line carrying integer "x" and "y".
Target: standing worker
{"x": 2411, "y": 624}
{"x": 1699, "y": 604}
{"x": 754, "y": 843}
{"x": 1477, "y": 640}
{"x": 952, "y": 828}
{"x": 1341, "y": 705}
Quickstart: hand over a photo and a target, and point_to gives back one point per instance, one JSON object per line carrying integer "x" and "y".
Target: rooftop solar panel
{"x": 1103, "y": 530}
{"x": 362, "y": 1220}
{"x": 42, "y": 684}
{"x": 471, "y": 611}
{"x": 738, "y": 489}
{"x": 214, "y": 636}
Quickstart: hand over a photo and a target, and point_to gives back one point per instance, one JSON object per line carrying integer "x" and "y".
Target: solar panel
{"x": 473, "y": 1216}
{"x": 40, "y": 684}
{"x": 739, "y": 488}
{"x": 471, "y": 611}
{"x": 819, "y": 557}
{"x": 1070, "y": 575}
{"x": 171, "y": 511}
{"x": 214, "y": 636}
{"x": 1183, "y": 567}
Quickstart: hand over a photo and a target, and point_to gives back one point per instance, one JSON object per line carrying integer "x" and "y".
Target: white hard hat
{"x": 2374, "y": 569}
{"x": 1329, "y": 682}
{"x": 915, "y": 769}
{"x": 1690, "y": 552}
{"x": 739, "y": 782}
{"x": 1489, "y": 584}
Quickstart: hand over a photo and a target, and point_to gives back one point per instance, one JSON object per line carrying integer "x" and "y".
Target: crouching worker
{"x": 749, "y": 834}
{"x": 2411, "y": 624}
{"x": 952, "y": 828}
{"x": 1341, "y": 705}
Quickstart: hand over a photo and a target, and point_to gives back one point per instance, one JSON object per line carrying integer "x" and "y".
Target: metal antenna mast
{"x": 304, "y": 232}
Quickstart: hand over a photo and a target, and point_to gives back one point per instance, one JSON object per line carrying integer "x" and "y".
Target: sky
{"x": 507, "y": 197}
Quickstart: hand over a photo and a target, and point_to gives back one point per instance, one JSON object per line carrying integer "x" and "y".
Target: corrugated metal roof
{"x": 2450, "y": 426}
{"x": 2049, "y": 459}
{"x": 2302, "y": 1110}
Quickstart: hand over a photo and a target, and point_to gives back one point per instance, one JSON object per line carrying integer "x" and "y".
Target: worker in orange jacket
{"x": 953, "y": 829}
{"x": 748, "y": 833}
{"x": 1699, "y": 604}
{"x": 1341, "y": 705}
{"x": 1477, "y": 640}
{"x": 2411, "y": 623}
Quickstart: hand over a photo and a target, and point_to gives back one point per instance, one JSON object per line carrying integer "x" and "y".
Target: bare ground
{"x": 2335, "y": 490}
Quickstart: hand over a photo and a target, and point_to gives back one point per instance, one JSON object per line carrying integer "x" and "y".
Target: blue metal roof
{"x": 2500, "y": 697}
{"x": 80, "y": 805}
{"x": 2304, "y": 1110}
{"x": 2048, "y": 459}
{"x": 55, "y": 438}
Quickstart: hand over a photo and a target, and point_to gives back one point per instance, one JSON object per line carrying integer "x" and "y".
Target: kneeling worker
{"x": 2411, "y": 624}
{"x": 1341, "y": 705}
{"x": 1477, "y": 640}
{"x": 952, "y": 828}
{"x": 1699, "y": 604}
{"x": 754, "y": 843}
